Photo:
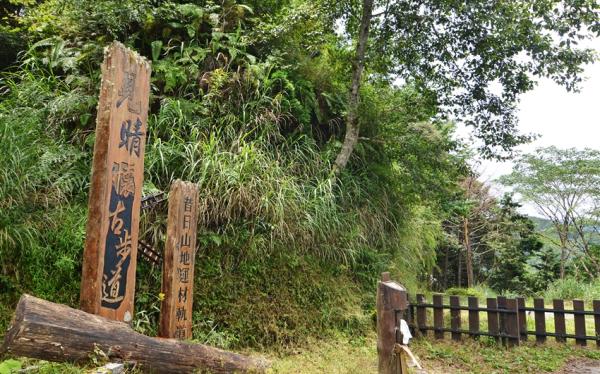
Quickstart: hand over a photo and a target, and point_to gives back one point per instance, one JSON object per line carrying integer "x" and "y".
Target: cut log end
{"x": 44, "y": 330}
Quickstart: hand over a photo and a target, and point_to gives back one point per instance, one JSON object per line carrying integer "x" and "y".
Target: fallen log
{"x": 54, "y": 332}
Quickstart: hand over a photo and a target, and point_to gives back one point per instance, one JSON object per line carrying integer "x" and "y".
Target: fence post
{"x": 438, "y": 316}
{"x": 492, "y": 315}
{"x": 559, "y": 320}
{"x": 391, "y": 297}
{"x": 579, "y": 322}
{"x": 502, "y": 318}
{"x": 455, "y": 317}
{"x": 540, "y": 321}
{"x": 522, "y": 318}
{"x": 512, "y": 322}
{"x": 474, "y": 316}
{"x": 597, "y": 321}
{"x": 421, "y": 315}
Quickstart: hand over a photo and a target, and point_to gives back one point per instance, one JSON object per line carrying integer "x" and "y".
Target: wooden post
{"x": 109, "y": 259}
{"x": 597, "y": 321}
{"x": 540, "y": 321}
{"x": 512, "y": 322}
{"x": 178, "y": 262}
{"x": 502, "y": 319}
{"x": 438, "y": 316}
{"x": 492, "y": 318}
{"x": 579, "y": 322}
{"x": 391, "y": 297}
{"x": 559, "y": 320}
{"x": 455, "y": 317}
{"x": 522, "y": 317}
{"x": 474, "y": 316}
{"x": 421, "y": 315}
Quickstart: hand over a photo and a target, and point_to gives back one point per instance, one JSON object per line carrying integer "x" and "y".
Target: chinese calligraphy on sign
{"x": 108, "y": 279}
{"x": 178, "y": 262}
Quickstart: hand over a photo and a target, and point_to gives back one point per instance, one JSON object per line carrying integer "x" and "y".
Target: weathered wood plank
{"x": 178, "y": 262}
{"x": 455, "y": 317}
{"x": 473, "y": 316}
{"x": 110, "y": 254}
{"x": 512, "y": 322}
{"x": 55, "y": 332}
{"x": 540, "y": 321}
{"x": 438, "y": 316}
{"x": 391, "y": 297}
{"x": 493, "y": 327}
{"x": 579, "y": 322}
{"x": 522, "y": 318}
{"x": 421, "y": 315}
{"x": 559, "y": 320}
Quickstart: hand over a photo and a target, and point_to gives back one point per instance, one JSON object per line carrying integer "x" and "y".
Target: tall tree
{"x": 458, "y": 51}
{"x": 352, "y": 125}
{"x": 563, "y": 184}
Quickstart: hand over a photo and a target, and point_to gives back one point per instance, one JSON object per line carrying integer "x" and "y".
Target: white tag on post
{"x": 405, "y": 331}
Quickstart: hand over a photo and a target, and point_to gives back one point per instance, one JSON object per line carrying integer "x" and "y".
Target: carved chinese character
{"x": 185, "y": 240}
{"x": 131, "y": 138}
{"x": 187, "y": 222}
{"x": 123, "y": 179}
{"x": 180, "y": 314}
{"x": 185, "y": 258}
{"x": 183, "y": 274}
{"x": 182, "y": 297}
{"x": 187, "y": 204}
{"x": 180, "y": 333}
{"x": 124, "y": 247}
{"x": 116, "y": 223}
{"x": 127, "y": 92}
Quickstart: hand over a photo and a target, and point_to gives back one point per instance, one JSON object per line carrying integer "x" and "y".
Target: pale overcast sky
{"x": 563, "y": 119}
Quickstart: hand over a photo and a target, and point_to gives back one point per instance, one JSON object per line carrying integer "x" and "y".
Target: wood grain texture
{"x": 178, "y": 262}
{"x": 540, "y": 321}
{"x": 578, "y": 305}
{"x": 391, "y": 297}
{"x": 492, "y": 316}
{"x": 455, "y": 321}
{"x": 473, "y": 316}
{"x": 559, "y": 320}
{"x": 55, "y": 332}
{"x": 109, "y": 260}
{"x": 438, "y": 316}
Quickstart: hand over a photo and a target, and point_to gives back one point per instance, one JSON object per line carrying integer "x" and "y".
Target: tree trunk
{"x": 445, "y": 286}
{"x": 563, "y": 259}
{"x": 352, "y": 124}
{"x": 54, "y": 332}
{"x": 468, "y": 252}
{"x": 459, "y": 280}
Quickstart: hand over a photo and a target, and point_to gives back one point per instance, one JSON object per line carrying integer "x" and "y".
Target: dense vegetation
{"x": 249, "y": 99}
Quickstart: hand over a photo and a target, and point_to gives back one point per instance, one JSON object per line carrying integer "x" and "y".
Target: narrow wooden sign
{"x": 178, "y": 262}
{"x": 109, "y": 260}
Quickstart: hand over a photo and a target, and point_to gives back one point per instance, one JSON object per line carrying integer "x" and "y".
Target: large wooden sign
{"x": 109, "y": 261}
{"x": 178, "y": 262}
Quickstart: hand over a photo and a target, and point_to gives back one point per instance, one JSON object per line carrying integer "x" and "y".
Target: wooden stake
{"x": 178, "y": 262}
{"x": 391, "y": 297}
{"x": 109, "y": 259}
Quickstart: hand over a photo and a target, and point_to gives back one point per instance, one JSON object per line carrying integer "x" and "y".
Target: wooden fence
{"x": 506, "y": 319}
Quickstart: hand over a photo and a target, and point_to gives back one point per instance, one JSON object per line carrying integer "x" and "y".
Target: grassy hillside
{"x": 248, "y": 100}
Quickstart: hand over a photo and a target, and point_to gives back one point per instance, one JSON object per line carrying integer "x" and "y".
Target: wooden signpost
{"x": 178, "y": 262}
{"x": 392, "y": 303}
{"x": 109, "y": 261}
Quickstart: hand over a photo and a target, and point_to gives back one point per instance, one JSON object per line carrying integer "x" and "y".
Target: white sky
{"x": 563, "y": 119}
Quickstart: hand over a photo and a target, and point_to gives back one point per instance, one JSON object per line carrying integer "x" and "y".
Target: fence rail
{"x": 506, "y": 319}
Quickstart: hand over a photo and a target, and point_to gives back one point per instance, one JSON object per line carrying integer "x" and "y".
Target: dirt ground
{"x": 581, "y": 366}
